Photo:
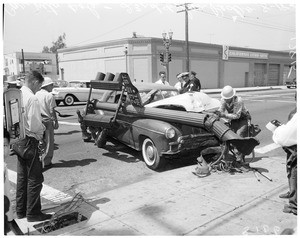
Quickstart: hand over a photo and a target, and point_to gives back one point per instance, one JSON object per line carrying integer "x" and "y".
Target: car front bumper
{"x": 191, "y": 142}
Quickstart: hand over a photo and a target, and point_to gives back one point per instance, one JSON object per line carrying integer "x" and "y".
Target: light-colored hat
{"x": 185, "y": 74}
{"x": 228, "y": 92}
{"x": 47, "y": 81}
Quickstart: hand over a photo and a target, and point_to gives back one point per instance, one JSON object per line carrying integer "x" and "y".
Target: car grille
{"x": 191, "y": 142}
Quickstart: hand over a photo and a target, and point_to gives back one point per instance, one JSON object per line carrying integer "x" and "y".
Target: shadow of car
{"x": 73, "y": 91}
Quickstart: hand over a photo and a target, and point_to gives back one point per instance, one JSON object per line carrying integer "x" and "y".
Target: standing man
{"x": 178, "y": 85}
{"x": 196, "y": 81}
{"x": 162, "y": 78}
{"x": 29, "y": 171}
{"x": 48, "y": 105}
{"x": 188, "y": 84}
{"x": 286, "y": 136}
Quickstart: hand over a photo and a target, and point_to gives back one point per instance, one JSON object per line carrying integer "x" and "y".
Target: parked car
{"x": 75, "y": 91}
{"x": 157, "y": 139}
{"x": 291, "y": 84}
{"x": 60, "y": 83}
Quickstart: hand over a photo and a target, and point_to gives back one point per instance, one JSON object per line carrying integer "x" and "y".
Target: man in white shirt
{"x": 286, "y": 136}
{"x": 29, "y": 171}
{"x": 178, "y": 85}
{"x": 162, "y": 78}
{"x": 48, "y": 104}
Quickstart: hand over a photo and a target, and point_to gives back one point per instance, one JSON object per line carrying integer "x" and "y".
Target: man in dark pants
{"x": 286, "y": 136}
{"x": 29, "y": 171}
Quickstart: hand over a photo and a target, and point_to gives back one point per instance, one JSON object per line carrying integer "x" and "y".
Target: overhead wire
{"x": 265, "y": 25}
{"x": 114, "y": 29}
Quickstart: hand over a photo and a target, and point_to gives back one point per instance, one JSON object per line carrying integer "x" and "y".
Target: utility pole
{"x": 23, "y": 61}
{"x": 126, "y": 54}
{"x": 186, "y": 9}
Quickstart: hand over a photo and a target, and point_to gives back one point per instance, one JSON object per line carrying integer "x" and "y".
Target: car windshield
{"x": 60, "y": 84}
{"x": 78, "y": 84}
{"x": 155, "y": 95}
{"x": 159, "y": 95}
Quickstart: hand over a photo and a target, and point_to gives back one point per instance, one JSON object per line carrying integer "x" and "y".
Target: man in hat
{"x": 48, "y": 104}
{"x": 196, "y": 81}
{"x": 188, "y": 84}
{"x": 233, "y": 109}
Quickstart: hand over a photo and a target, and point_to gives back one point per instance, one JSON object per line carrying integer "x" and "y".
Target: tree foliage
{"x": 46, "y": 49}
{"x": 60, "y": 43}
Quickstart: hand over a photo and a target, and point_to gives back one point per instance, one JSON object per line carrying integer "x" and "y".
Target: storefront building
{"x": 215, "y": 65}
{"x": 45, "y": 63}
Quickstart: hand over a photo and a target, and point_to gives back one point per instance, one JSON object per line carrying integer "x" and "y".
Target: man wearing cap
{"x": 196, "y": 81}
{"x": 188, "y": 84}
{"x": 233, "y": 109}
{"x": 49, "y": 118}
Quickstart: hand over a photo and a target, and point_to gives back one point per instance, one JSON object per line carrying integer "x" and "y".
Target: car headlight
{"x": 170, "y": 133}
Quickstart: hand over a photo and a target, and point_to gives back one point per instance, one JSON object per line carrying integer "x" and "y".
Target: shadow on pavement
{"x": 114, "y": 152}
{"x": 67, "y": 133}
{"x": 73, "y": 163}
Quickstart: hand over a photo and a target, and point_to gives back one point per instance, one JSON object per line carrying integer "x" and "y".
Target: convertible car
{"x": 154, "y": 119}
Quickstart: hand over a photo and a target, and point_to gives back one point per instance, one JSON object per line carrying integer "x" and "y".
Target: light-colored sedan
{"x": 76, "y": 91}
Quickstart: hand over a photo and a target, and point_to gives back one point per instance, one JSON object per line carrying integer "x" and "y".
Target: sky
{"x": 31, "y": 25}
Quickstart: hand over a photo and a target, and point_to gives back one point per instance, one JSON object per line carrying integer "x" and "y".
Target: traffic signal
{"x": 161, "y": 56}
{"x": 169, "y": 57}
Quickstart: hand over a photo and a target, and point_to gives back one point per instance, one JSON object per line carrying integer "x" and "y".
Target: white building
{"x": 215, "y": 65}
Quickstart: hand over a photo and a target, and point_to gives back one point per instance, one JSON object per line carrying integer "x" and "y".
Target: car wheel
{"x": 151, "y": 156}
{"x": 69, "y": 100}
{"x": 101, "y": 139}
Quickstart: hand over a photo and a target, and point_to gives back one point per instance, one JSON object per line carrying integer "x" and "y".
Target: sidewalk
{"x": 176, "y": 202}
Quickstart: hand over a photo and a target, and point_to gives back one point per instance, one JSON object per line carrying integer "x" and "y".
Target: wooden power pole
{"x": 187, "y": 48}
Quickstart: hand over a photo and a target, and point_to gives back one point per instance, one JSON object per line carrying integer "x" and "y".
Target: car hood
{"x": 192, "y": 102}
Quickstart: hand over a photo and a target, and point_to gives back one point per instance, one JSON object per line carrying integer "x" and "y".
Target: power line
{"x": 265, "y": 25}
{"x": 125, "y": 24}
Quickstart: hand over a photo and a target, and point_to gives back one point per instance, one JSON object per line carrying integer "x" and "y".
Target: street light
{"x": 167, "y": 41}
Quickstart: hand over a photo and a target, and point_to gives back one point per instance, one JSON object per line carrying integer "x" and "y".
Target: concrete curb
{"x": 246, "y": 89}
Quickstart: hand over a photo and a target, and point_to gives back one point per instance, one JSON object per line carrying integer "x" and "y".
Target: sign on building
{"x": 225, "y": 53}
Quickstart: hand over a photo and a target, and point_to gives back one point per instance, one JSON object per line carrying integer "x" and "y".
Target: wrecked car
{"x": 153, "y": 119}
